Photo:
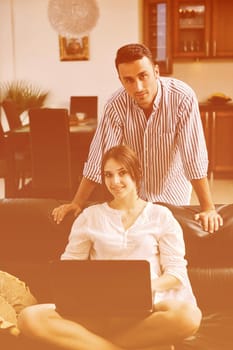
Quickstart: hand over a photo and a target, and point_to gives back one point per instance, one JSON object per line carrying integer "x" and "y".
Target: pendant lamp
{"x": 73, "y": 18}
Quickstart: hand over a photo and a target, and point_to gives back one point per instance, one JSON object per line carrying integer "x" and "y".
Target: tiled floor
{"x": 222, "y": 191}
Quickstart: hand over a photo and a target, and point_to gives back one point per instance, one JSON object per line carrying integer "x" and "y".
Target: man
{"x": 159, "y": 119}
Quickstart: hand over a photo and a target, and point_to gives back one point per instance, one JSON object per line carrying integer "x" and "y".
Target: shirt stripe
{"x": 170, "y": 145}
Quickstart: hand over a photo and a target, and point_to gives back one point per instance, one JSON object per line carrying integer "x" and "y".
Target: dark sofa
{"x": 29, "y": 238}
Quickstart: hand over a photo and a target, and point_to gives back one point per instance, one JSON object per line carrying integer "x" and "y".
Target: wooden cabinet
{"x": 218, "y": 128}
{"x": 191, "y": 28}
{"x": 222, "y": 28}
{"x": 202, "y": 28}
{"x": 187, "y": 29}
{"x": 156, "y": 32}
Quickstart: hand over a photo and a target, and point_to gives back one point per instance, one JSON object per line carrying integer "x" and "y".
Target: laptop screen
{"x": 114, "y": 287}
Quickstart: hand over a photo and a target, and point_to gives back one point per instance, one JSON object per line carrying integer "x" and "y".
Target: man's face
{"x": 139, "y": 78}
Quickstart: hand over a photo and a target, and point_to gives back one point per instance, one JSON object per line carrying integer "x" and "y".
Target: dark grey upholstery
{"x": 29, "y": 238}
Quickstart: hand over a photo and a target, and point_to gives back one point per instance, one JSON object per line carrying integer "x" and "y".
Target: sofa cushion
{"x": 213, "y": 287}
{"x": 215, "y": 333}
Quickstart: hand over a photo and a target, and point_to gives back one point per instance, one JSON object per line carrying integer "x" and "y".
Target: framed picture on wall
{"x": 74, "y": 49}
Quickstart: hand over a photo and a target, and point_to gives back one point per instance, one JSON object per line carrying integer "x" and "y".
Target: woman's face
{"x": 118, "y": 180}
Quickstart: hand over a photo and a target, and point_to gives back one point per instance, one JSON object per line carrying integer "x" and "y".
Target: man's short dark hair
{"x": 132, "y": 52}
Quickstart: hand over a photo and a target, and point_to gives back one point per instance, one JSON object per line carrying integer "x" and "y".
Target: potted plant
{"x": 25, "y": 94}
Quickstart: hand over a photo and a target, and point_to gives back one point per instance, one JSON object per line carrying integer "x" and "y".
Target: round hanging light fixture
{"x": 73, "y": 18}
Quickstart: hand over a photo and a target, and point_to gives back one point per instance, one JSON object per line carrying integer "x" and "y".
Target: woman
{"x": 135, "y": 229}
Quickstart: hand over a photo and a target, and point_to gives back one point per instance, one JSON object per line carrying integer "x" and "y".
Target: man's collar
{"x": 158, "y": 95}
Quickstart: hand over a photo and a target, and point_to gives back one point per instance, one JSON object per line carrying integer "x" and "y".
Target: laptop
{"x": 101, "y": 287}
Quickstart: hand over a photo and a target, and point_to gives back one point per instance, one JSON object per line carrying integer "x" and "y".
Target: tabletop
{"x": 82, "y": 127}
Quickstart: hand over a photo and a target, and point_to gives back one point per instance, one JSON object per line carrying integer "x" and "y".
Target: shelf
{"x": 192, "y": 26}
{"x": 157, "y": 30}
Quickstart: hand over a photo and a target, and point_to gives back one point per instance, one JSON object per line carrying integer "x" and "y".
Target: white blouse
{"x": 155, "y": 236}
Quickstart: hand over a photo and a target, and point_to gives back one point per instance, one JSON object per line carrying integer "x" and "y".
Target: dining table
{"x": 81, "y": 134}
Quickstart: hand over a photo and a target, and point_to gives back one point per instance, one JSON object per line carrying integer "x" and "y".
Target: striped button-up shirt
{"x": 170, "y": 144}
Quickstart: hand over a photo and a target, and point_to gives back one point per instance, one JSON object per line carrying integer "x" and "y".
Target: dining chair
{"x": 84, "y": 104}
{"x": 3, "y": 155}
{"x": 12, "y": 115}
{"x": 2, "y": 149}
{"x": 50, "y": 153}
{"x": 21, "y": 156}
{"x": 18, "y": 157}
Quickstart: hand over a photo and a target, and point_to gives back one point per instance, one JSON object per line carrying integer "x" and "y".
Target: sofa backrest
{"x": 28, "y": 231}
{"x": 29, "y": 238}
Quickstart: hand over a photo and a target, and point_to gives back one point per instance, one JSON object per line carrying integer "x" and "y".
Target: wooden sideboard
{"x": 218, "y": 128}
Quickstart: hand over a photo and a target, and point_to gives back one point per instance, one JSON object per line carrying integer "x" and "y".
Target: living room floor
{"x": 222, "y": 191}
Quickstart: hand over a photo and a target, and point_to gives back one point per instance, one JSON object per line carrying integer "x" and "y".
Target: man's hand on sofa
{"x": 60, "y": 212}
{"x": 210, "y": 220}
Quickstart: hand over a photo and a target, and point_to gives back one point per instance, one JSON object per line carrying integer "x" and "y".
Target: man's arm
{"x": 108, "y": 134}
{"x": 208, "y": 217}
{"x": 84, "y": 191}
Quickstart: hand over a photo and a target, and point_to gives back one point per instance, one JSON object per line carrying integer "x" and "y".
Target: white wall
{"x": 37, "y": 49}
{"x": 207, "y": 76}
{"x": 30, "y": 50}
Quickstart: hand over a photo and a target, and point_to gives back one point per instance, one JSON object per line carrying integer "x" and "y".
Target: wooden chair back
{"x": 12, "y": 114}
{"x": 84, "y": 104}
{"x": 50, "y": 153}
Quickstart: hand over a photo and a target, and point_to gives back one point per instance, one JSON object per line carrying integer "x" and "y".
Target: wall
{"x": 207, "y": 76}
{"x": 30, "y": 50}
{"x": 37, "y": 49}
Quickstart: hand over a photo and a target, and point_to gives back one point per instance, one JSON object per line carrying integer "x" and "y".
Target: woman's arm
{"x": 79, "y": 244}
{"x": 171, "y": 254}
{"x": 165, "y": 282}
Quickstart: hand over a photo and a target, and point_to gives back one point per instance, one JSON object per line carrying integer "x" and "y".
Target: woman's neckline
{"x": 128, "y": 218}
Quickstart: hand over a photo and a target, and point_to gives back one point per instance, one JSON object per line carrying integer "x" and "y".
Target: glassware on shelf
{"x": 191, "y": 16}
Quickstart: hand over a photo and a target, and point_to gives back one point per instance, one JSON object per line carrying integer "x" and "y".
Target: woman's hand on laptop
{"x": 60, "y": 212}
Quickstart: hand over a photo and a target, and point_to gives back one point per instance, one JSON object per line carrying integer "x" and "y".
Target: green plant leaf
{"x": 25, "y": 94}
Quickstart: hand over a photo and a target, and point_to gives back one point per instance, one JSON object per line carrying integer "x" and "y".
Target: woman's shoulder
{"x": 157, "y": 210}
{"x": 90, "y": 213}
{"x": 95, "y": 208}
{"x": 161, "y": 215}
{"x": 157, "y": 207}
